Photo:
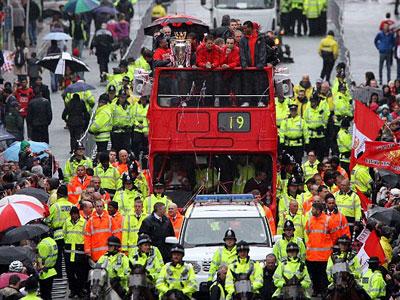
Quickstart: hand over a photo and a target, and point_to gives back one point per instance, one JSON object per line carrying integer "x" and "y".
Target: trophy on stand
{"x": 181, "y": 50}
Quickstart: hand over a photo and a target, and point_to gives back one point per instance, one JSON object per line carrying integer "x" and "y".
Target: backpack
{"x": 19, "y": 58}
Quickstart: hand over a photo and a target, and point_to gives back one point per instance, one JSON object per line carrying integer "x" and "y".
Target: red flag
{"x": 371, "y": 247}
{"x": 381, "y": 155}
{"x": 366, "y": 127}
{"x": 365, "y": 201}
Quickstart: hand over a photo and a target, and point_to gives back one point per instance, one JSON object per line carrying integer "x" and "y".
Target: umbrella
{"x": 58, "y": 63}
{"x": 10, "y": 253}
{"x": 39, "y": 194}
{"x": 11, "y": 153}
{"x": 388, "y": 216}
{"x": 17, "y": 210}
{"x": 79, "y": 87}
{"x": 80, "y": 6}
{"x": 178, "y": 23}
{"x": 25, "y": 232}
{"x": 57, "y": 36}
{"x": 105, "y": 10}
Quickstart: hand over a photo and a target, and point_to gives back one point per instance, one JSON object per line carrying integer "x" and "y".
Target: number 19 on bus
{"x": 234, "y": 121}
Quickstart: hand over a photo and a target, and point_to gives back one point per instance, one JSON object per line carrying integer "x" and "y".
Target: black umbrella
{"x": 10, "y": 253}
{"x": 178, "y": 23}
{"x": 388, "y": 216}
{"x": 39, "y": 194}
{"x": 25, "y": 232}
{"x": 58, "y": 63}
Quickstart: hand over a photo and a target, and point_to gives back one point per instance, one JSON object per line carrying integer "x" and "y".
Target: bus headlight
{"x": 196, "y": 266}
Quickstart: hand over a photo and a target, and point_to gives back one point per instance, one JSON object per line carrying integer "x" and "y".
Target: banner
{"x": 381, "y": 155}
{"x": 371, "y": 247}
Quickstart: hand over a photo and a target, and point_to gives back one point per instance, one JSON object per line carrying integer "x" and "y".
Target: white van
{"x": 264, "y": 12}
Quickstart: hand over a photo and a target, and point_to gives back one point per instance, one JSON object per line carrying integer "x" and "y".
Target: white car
{"x": 206, "y": 222}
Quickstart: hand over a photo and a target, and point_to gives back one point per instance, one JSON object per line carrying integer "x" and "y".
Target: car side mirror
{"x": 276, "y": 238}
{"x": 171, "y": 240}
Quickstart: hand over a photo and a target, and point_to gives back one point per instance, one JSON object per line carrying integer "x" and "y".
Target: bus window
{"x": 214, "y": 173}
{"x": 206, "y": 88}
{"x": 240, "y": 4}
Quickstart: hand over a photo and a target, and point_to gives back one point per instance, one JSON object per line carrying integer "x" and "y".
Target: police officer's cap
{"x": 344, "y": 239}
{"x": 114, "y": 241}
{"x": 112, "y": 88}
{"x": 293, "y": 106}
{"x": 293, "y": 181}
{"x": 288, "y": 225}
{"x": 103, "y": 99}
{"x": 292, "y": 247}
{"x": 177, "y": 249}
{"x": 159, "y": 185}
{"x": 122, "y": 93}
{"x": 143, "y": 239}
{"x": 230, "y": 234}
{"x": 126, "y": 178}
{"x": 242, "y": 246}
{"x": 288, "y": 159}
{"x": 79, "y": 146}
{"x": 373, "y": 260}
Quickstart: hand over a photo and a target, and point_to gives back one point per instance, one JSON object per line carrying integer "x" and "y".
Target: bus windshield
{"x": 206, "y": 88}
{"x": 244, "y": 4}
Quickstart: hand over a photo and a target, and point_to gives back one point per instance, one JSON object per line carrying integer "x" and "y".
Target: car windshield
{"x": 244, "y": 4}
{"x": 210, "y": 231}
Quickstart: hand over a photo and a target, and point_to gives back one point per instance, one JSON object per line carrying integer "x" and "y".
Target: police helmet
{"x": 122, "y": 93}
{"x": 344, "y": 239}
{"x": 288, "y": 159}
{"x": 292, "y": 247}
{"x": 288, "y": 225}
{"x": 292, "y": 106}
{"x": 113, "y": 241}
{"x": 159, "y": 185}
{"x": 79, "y": 146}
{"x": 230, "y": 234}
{"x": 16, "y": 266}
{"x": 112, "y": 88}
{"x": 143, "y": 239}
{"x": 293, "y": 181}
{"x": 178, "y": 249}
{"x": 242, "y": 246}
{"x": 126, "y": 178}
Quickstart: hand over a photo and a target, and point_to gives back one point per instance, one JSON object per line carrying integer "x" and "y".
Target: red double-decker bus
{"x": 211, "y": 131}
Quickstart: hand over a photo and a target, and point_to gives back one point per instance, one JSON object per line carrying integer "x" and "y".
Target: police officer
{"x": 126, "y": 196}
{"x": 372, "y": 281}
{"x": 288, "y": 237}
{"x": 344, "y": 255}
{"x": 59, "y": 213}
{"x": 285, "y": 9}
{"x": 157, "y": 196}
{"x": 75, "y": 258}
{"x": 177, "y": 275}
{"x": 117, "y": 266}
{"x": 292, "y": 272}
{"x": 46, "y": 260}
{"x": 344, "y": 142}
{"x": 296, "y": 15}
{"x": 361, "y": 179}
{"x": 316, "y": 116}
{"x": 77, "y": 159}
{"x": 141, "y": 126}
{"x": 288, "y": 195}
{"x": 101, "y": 125}
{"x": 121, "y": 122}
{"x": 148, "y": 256}
{"x": 294, "y": 134}
{"x": 131, "y": 226}
{"x": 224, "y": 255}
{"x": 217, "y": 289}
{"x": 246, "y": 268}
{"x": 329, "y": 51}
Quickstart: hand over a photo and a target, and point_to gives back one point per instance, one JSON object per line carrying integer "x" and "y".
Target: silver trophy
{"x": 181, "y": 50}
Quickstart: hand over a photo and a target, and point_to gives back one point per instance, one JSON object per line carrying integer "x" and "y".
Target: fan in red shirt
{"x": 230, "y": 54}
{"x": 162, "y": 55}
{"x": 23, "y": 94}
{"x": 208, "y": 54}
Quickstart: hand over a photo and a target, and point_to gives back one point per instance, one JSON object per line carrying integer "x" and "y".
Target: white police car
{"x": 206, "y": 222}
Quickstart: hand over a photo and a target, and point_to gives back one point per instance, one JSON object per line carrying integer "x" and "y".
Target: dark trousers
{"x": 385, "y": 58}
{"x": 333, "y": 141}
{"x": 58, "y": 266}
{"x": 139, "y": 144}
{"x": 75, "y": 134}
{"x": 398, "y": 67}
{"x": 313, "y": 24}
{"x": 18, "y": 32}
{"x": 103, "y": 64}
{"x": 297, "y": 152}
{"x": 319, "y": 146}
{"x": 121, "y": 140}
{"x": 46, "y": 285}
{"x": 101, "y": 146}
{"x": 285, "y": 22}
{"x": 40, "y": 133}
{"x": 323, "y": 24}
{"x": 327, "y": 67}
{"x": 396, "y": 7}
{"x": 77, "y": 272}
{"x": 297, "y": 18}
{"x": 317, "y": 271}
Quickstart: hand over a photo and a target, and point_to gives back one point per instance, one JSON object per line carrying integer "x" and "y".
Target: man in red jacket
{"x": 208, "y": 54}
{"x": 162, "y": 55}
{"x": 24, "y": 94}
{"x": 230, "y": 55}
